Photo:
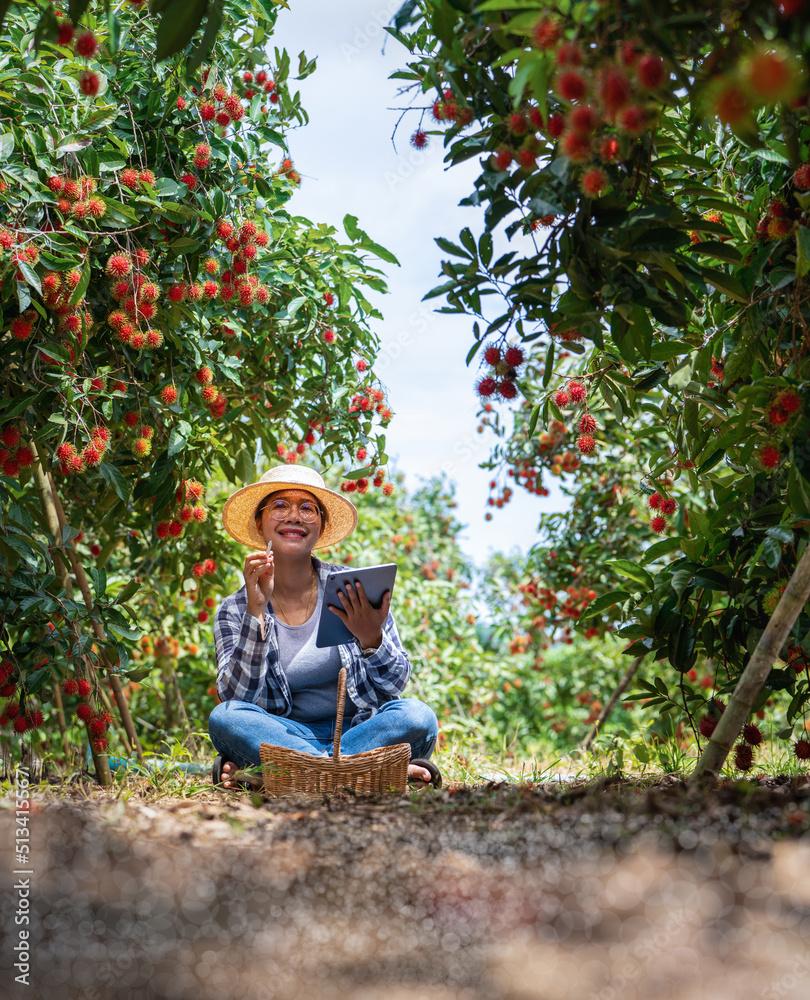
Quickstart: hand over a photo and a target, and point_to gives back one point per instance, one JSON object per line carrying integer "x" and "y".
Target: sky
{"x": 403, "y": 198}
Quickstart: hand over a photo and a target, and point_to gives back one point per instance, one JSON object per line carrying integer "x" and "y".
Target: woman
{"x": 275, "y": 685}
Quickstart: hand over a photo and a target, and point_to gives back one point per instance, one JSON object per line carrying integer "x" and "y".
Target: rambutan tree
{"x": 640, "y": 289}
{"x": 165, "y": 319}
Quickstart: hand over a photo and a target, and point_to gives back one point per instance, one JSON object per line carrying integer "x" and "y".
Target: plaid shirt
{"x": 248, "y": 667}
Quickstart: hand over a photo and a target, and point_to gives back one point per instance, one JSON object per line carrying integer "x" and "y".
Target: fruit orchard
{"x": 640, "y": 304}
{"x": 165, "y": 318}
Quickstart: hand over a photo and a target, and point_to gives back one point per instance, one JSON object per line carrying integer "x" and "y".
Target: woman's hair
{"x": 264, "y": 501}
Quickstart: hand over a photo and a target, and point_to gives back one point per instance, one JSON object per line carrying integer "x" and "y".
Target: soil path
{"x": 498, "y": 893}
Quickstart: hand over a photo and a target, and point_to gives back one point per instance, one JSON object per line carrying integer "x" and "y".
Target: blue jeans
{"x": 238, "y": 728}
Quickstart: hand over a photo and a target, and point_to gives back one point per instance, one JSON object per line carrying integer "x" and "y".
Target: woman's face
{"x": 292, "y": 535}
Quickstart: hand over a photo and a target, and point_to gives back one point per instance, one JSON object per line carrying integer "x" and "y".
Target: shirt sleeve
{"x": 248, "y": 667}
{"x": 388, "y": 669}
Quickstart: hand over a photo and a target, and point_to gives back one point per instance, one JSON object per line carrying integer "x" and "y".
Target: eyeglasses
{"x": 281, "y": 509}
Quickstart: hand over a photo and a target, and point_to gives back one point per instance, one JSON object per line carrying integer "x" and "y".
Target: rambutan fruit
{"x": 576, "y": 392}
{"x": 204, "y": 375}
{"x": 507, "y": 389}
{"x": 22, "y": 326}
{"x": 614, "y": 90}
{"x": 224, "y": 229}
{"x": 162, "y": 529}
{"x": 658, "y": 524}
{"x": 587, "y": 424}
{"x": 583, "y": 119}
{"x": 609, "y": 150}
{"x": 514, "y": 357}
{"x": 668, "y": 506}
{"x": 650, "y": 72}
{"x": 142, "y": 447}
{"x": 119, "y": 265}
{"x": 207, "y": 111}
{"x": 546, "y": 34}
{"x": 10, "y": 436}
{"x": 55, "y": 184}
{"x": 96, "y": 208}
{"x": 20, "y": 725}
{"x": 594, "y": 182}
{"x": 137, "y": 341}
{"x": 69, "y": 687}
{"x": 202, "y": 155}
{"x": 84, "y": 713}
{"x": 801, "y": 177}
{"x": 65, "y": 451}
{"x": 486, "y": 386}
{"x": 632, "y": 121}
{"x": 743, "y": 757}
{"x": 84, "y": 687}
{"x": 576, "y": 147}
{"x": 168, "y": 395}
{"x": 209, "y": 393}
{"x": 707, "y": 725}
{"x": 769, "y": 456}
{"x": 65, "y": 34}
{"x": 772, "y": 74}
{"x": 801, "y": 749}
{"x": 86, "y": 45}
{"x": 91, "y": 456}
{"x": 502, "y": 158}
{"x": 570, "y": 85}
{"x": 561, "y": 398}
{"x": 568, "y": 54}
{"x": 99, "y": 745}
{"x": 154, "y": 339}
{"x": 97, "y": 727}
{"x": 586, "y": 444}
{"x": 89, "y": 83}
{"x": 752, "y": 734}
{"x": 731, "y": 103}
{"x": 199, "y": 514}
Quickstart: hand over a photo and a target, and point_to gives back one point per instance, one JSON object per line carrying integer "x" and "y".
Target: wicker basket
{"x": 288, "y": 772}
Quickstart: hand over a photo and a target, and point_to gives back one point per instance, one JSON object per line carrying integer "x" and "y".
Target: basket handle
{"x": 341, "y": 699}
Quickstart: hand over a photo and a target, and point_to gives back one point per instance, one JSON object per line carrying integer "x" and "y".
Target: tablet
{"x": 375, "y": 580}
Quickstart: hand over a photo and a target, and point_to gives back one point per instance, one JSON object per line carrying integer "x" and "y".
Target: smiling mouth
{"x": 295, "y": 533}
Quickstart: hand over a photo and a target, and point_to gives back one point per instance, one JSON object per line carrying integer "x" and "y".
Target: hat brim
{"x": 239, "y": 513}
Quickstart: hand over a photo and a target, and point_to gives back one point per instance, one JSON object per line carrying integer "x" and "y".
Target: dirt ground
{"x": 579, "y": 892}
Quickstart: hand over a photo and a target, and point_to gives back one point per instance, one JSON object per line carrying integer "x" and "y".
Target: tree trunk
{"x": 624, "y": 683}
{"x": 47, "y": 498}
{"x": 60, "y": 716}
{"x": 115, "y": 681}
{"x": 755, "y": 674}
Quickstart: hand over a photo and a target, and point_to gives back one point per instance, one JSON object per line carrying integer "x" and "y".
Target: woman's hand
{"x": 364, "y": 621}
{"x": 259, "y": 582}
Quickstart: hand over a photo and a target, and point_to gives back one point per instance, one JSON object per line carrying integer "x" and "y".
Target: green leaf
{"x": 6, "y": 145}
{"x": 178, "y": 24}
{"x": 772, "y": 552}
{"x": 206, "y": 44}
{"x": 605, "y": 601}
{"x": 802, "y": 251}
{"x": 450, "y": 247}
{"x": 84, "y": 281}
{"x": 631, "y": 570}
{"x": 115, "y": 478}
{"x": 533, "y": 420}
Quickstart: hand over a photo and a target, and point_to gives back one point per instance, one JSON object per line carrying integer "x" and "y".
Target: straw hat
{"x": 239, "y": 513}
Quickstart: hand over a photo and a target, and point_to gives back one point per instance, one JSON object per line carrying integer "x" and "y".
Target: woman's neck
{"x": 294, "y": 575}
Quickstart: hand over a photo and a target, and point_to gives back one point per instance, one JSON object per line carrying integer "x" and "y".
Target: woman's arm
{"x": 389, "y": 668}
{"x": 247, "y": 657}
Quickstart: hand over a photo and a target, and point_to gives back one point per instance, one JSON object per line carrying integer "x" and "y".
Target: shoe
{"x": 435, "y": 773}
